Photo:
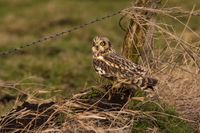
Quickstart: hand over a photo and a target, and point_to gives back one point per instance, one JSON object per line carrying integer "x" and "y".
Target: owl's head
{"x": 101, "y": 45}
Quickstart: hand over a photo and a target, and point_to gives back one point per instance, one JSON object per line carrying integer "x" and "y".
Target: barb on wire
{"x": 59, "y": 34}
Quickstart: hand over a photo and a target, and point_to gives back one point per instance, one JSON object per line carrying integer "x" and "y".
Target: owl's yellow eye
{"x": 93, "y": 44}
{"x": 103, "y": 43}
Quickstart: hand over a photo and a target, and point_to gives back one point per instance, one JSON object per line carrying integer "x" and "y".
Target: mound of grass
{"x": 91, "y": 111}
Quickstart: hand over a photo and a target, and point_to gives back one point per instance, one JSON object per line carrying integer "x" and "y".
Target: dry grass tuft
{"x": 176, "y": 58}
{"x": 90, "y": 111}
{"x": 181, "y": 90}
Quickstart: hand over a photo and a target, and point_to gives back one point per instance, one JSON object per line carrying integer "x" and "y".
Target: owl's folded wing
{"x": 124, "y": 65}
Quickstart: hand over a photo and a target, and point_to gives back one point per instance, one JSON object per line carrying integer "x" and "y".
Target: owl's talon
{"x": 115, "y": 87}
{"x": 111, "y": 91}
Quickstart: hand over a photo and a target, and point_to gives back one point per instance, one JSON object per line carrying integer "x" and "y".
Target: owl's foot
{"x": 114, "y": 89}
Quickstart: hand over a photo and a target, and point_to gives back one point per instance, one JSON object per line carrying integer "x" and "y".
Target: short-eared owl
{"x": 107, "y": 63}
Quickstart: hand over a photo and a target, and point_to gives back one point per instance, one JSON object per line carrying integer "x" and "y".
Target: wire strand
{"x": 56, "y": 35}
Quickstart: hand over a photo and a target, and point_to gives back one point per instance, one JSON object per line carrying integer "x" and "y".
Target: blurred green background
{"x": 61, "y": 66}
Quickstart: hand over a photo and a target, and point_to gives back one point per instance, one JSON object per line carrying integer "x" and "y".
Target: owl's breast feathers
{"x": 103, "y": 69}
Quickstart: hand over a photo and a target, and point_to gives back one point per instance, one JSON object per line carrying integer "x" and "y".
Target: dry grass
{"x": 90, "y": 111}
{"x": 181, "y": 90}
{"x": 175, "y": 60}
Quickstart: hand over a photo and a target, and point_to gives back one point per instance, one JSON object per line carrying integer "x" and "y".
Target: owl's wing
{"x": 104, "y": 69}
{"x": 126, "y": 68}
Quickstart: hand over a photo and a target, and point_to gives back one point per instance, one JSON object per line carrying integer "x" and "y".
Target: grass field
{"x": 60, "y": 67}
{"x": 58, "y": 64}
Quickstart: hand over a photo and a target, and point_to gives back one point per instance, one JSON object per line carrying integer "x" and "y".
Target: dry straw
{"x": 175, "y": 58}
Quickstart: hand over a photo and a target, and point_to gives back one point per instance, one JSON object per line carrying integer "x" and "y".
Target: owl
{"x": 108, "y": 64}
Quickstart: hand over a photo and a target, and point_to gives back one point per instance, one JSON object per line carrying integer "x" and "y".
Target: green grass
{"x": 62, "y": 62}
{"x": 157, "y": 115}
{"x": 160, "y": 116}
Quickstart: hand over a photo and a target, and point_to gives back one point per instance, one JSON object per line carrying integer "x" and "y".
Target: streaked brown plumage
{"x": 107, "y": 63}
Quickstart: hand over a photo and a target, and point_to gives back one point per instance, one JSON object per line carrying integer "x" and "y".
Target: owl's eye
{"x": 93, "y": 44}
{"x": 103, "y": 43}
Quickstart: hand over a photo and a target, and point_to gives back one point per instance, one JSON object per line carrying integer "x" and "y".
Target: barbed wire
{"x": 59, "y": 34}
{"x": 55, "y": 35}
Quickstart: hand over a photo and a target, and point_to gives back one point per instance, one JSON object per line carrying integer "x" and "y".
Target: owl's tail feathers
{"x": 151, "y": 82}
{"x": 147, "y": 83}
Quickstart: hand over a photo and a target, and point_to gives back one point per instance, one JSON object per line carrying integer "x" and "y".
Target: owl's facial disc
{"x": 101, "y": 45}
